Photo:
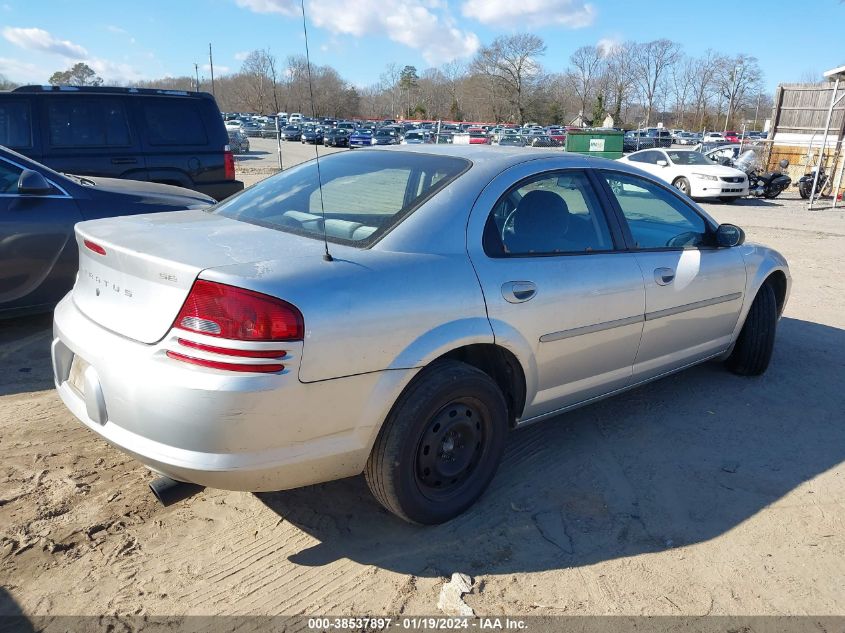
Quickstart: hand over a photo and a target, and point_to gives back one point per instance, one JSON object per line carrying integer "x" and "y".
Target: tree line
{"x": 636, "y": 83}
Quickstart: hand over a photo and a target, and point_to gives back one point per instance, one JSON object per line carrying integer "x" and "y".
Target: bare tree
{"x": 512, "y": 62}
{"x": 258, "y": 69}
{"x": 681, "y": 80}
{"x": 651, "y": 61}
{"x": 5, "y": 84}
{"x": 585, "y": 74}
{"x": 704, "y": 71}
{"x": 741, "y": 79}
{"x": 618, "y": 72}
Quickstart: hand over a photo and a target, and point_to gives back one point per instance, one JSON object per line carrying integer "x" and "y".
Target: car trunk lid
{"x": 135, "y": 272}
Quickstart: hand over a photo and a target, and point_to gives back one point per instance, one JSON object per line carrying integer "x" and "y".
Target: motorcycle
{"x": 805, "y": 183}
{"x": 767, "y": 185}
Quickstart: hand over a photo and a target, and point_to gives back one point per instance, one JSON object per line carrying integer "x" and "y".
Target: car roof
{"x": 495, "y": 158}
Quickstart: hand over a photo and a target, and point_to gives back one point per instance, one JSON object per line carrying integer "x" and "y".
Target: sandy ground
{"x": 702, "y": 493}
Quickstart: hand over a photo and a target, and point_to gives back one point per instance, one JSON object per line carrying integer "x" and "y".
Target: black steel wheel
{"x": 440, "y": 445}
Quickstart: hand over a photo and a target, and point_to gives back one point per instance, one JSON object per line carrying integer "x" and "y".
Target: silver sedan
{"x": 399, "y": 319}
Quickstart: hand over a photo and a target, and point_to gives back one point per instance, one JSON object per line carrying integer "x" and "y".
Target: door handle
{"x": 518, "y": 291}
{"x": 664, "y": 276}
{"x": 124, "y": 161}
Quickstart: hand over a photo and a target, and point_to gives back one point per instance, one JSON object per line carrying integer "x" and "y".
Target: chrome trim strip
{"x": 659, "y": 314}
{"x": 590, "y": 329}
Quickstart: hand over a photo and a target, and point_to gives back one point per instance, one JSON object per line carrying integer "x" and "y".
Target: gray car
{"x": 399, "y": 319}
{"x": 38, "y": 210}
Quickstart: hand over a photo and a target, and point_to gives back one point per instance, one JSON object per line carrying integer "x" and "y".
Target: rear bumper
{"x": 220, "y": 190}
{"x": 253, "y": 432}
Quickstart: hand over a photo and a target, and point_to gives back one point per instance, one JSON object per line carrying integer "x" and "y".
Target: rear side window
{"x": 15, "y": 123}
{"x": 173, "y": 122}
{"x": 75, "y": 122}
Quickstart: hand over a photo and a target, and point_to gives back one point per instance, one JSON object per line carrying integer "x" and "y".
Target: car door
{"x": 38, "y": 259}
{"x": 558, "y": 289}
{"x": 647, "y": 161}
{"x": 693, "y": 290}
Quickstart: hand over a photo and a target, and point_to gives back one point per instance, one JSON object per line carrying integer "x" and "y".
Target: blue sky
{"x": 141, "y": 40}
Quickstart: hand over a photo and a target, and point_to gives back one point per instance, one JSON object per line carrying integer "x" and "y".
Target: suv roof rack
{"x": 113, "y": 90}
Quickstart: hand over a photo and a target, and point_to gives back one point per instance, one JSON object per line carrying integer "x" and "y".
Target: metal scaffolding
{"x": 835, "y": 75}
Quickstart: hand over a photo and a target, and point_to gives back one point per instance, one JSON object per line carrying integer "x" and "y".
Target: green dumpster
{"x": 601, "y": 143}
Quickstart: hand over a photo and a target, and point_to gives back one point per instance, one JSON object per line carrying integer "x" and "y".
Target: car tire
{"x": 753, "y": 349}
{"x": 440, "y": 445}
{"x": 682, "y": 185}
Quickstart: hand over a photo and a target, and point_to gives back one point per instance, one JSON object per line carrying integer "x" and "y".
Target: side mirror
{"x": 662, "y": 163}
{"x": 729, "y": 235}
{"x": 725, "y": 161}
{"x": 32, "y": 183}
{"x": 784, "y": 164}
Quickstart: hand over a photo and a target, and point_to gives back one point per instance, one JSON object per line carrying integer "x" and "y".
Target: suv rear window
{"x": 363, "y": 199}
{"x": 15, "y": 123}
{"x": 173, "y": 122}
{"x": 77, "y": 122}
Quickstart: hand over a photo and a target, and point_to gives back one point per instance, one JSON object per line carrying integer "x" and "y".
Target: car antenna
{"x": 327, "y": 255}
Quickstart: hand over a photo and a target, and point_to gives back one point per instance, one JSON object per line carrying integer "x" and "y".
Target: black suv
{"x": 166, "y": 136}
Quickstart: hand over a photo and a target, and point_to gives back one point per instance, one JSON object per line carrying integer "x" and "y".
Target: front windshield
{"x": 363, "y": 199}
{"x": 688, "y": 158}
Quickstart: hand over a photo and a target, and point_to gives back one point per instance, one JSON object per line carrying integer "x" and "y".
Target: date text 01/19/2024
{"x": 419, "y": 623}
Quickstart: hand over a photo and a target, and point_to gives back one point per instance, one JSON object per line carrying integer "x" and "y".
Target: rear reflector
{"x": 228, "y": 351}
{"x": 234, "y": 313}
{"x": 91, "y": 246}
{"x": 270, "y": 368}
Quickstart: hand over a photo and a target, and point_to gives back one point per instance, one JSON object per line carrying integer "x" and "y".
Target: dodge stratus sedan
{"x": 400, "y": 319}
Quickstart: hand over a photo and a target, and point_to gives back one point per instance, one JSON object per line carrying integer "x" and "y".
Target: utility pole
{"x": 731, "y": 96}
{"x": 757, "y": 110}
{"x": 197, "y": 71}
{"x": 211, "y": 66}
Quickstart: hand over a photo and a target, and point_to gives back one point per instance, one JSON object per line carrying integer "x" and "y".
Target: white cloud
{"x": 219, "y": 69}
{"x": 23, "y": 72}
{"x": 574, "y": 14}
{"x": 40, "y": 40}
{"x": 424, "y": 25}
{"x": 241, "y": 55}
{"x": 607, "y": 45}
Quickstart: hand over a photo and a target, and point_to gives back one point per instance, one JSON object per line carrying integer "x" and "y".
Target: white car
{"x": 295, "y": 117}
{"x": 692, "y": 173}
{"x": 713, "y": 136}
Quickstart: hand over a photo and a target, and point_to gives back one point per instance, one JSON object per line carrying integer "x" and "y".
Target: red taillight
{"x": 235, "y": 313}
{"x": 91, "y": 246}
{"x": 229, "y": 163}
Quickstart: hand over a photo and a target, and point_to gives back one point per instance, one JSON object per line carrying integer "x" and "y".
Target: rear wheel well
{"x": 502, "y": 366}
{"x": 777, "y": 280}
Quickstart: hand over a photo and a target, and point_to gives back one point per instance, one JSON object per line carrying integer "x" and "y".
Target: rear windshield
{"x": 364, "y": 194}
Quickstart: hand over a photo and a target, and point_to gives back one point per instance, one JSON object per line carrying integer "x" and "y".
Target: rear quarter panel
{"x": 371, "y": 310}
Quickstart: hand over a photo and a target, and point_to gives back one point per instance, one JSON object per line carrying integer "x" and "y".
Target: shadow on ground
{"x": 25, "y": 363}
{"x": 676, "y": 462}
{"x": 12, "y": 617}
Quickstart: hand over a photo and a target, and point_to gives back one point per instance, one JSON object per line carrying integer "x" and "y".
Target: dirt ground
{"x": 703, "y": 493}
